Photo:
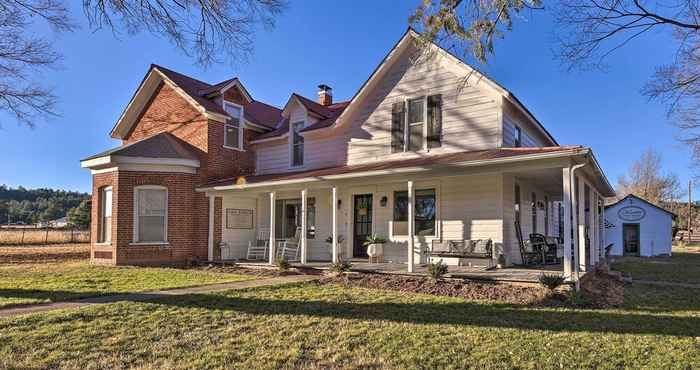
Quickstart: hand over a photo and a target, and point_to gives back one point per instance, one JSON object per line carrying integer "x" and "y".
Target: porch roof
{"x": 467, "y": 158}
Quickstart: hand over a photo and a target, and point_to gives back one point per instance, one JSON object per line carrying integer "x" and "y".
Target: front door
{"x": 630, "y": 239}
{"x": 362, "y": 223}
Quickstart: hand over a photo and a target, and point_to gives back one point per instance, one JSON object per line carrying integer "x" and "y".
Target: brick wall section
{"x": 99, "y": 182}
{"x": 169, "y": 111}
{"x": 188, "y": 210}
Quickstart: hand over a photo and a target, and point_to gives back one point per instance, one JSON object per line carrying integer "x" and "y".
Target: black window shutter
{"x": 435, "y": 121}
{"x": 397, "y": 127}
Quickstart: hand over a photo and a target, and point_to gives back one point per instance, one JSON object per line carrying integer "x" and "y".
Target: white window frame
{"x": 291, "y": 145}
{"x": 437, "y": 185}
{"x": 407, "y": 124}
{"x": 240, "y": 126}
{"x": 136, "y": 215}
{"x": 102, "y": 204}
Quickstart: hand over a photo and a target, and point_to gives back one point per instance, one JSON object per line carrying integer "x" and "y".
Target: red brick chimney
{"x": 325, "y": 95}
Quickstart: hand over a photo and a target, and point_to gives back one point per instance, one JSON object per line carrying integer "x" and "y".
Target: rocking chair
{"x": 258, "y": 249}
{"x": 529, "y": 256}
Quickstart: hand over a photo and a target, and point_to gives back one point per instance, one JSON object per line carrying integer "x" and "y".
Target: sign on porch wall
{"x": 239, "y": 218}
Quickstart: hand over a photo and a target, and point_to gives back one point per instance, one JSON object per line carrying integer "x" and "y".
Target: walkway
{"x": 666, "y": 283}
{"x": 148, "y": 296}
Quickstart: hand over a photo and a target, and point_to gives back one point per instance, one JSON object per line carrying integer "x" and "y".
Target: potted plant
{"x": 375, "y": 246}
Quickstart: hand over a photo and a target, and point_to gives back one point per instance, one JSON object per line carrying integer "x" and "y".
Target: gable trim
{"x": 642, "y": 200}
{"x": 235, "y": 83}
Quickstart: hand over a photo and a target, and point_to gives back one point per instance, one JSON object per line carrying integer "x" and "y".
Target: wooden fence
{"x": 46, "y": 235}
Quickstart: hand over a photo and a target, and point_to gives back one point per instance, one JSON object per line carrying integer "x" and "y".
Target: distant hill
{"x": 33, "y": 205}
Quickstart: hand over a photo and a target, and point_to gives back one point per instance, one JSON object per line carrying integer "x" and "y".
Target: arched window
{"x": 150, "y": 214}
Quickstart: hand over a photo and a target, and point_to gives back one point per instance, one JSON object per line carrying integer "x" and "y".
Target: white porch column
{"x": 594, "y": 227}
{"x": 582, "y": 224}
{"x": 304, "y": 227}
{"x": 273, "y": 238}
{"x": 334, "y": 223}
{"x": 411, "y": 224}
{"x": 566, "y": 204}
{"x": 210, "y": 244}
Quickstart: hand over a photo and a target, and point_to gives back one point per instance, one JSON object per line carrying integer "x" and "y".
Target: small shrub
{"x": 580, "y": 299}
{"x": 437, "y": 270}
{"x": 340, "y": 266}
{"x": 282, "y": 264}
{"x": 551, "y": 281}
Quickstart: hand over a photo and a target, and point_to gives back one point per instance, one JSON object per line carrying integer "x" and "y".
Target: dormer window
{"x": 297, "y": 144}
{"x": 233, "y": 133}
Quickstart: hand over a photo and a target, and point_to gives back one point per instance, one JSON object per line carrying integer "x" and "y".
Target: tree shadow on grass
{"x": 466, "y": 313}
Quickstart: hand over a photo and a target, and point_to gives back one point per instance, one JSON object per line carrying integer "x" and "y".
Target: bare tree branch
{"x": 207, "y": 30}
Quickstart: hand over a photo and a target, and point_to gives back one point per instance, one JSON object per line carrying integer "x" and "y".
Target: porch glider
{"x": 480, "y": 248}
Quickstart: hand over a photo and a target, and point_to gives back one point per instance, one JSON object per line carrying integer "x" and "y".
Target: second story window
{"x": 233, "y": 135}
{"x": 518, "y": 137}
{"x": 297, "y": 145}
{"x": 416, "y": 124}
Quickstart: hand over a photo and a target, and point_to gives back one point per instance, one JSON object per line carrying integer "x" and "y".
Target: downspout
{"x": 574, "y": 200}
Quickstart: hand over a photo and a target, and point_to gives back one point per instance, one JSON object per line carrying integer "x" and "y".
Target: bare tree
{"x": 587, "y": 33}
{"x": 206, "y": 30}
{"x": 23, "y": 57}
{"x": 209, "y": 31}
{"x": 647, "y": 180}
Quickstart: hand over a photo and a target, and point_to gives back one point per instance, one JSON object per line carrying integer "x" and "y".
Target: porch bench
{"x": 478, "y": 248}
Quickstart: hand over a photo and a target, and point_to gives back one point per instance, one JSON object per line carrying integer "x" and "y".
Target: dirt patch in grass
{"x": 44, "y": 253}
{"x": 449, "y": 288}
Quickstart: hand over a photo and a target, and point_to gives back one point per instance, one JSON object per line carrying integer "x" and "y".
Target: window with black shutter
{"x": 434, "y": 121}
{"x": 398, "y": 120}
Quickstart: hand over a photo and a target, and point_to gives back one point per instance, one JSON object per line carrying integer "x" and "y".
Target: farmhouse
{"x": 429, "y": 154}
{"x": 638, "y": 228}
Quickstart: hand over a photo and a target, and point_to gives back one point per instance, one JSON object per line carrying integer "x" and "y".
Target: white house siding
{"x": 319, "y": 151}
{"x": 470, "y": 112}
{"x": 531, "y": 136}
{"x": 655, "y": 229}
{"x": 238, "y": 238}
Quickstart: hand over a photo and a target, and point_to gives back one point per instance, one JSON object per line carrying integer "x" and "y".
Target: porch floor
{"x": 509, "y": 274}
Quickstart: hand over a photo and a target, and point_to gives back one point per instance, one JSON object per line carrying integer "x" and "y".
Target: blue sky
{"x": 340, "y": 44}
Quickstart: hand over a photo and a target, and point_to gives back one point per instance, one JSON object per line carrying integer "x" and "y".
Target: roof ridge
{"x": 181, "y": 74}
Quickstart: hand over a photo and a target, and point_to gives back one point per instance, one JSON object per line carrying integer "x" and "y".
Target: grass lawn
{"x": 60, "y": 281}
{"x": 311, "y": 326}
{"x": 682, "y": 267}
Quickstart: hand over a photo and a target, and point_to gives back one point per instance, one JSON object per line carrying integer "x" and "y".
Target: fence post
{"x": 22, "y": 241}
{"x": 71, "y": 234}
{"x": 46, "y": 237}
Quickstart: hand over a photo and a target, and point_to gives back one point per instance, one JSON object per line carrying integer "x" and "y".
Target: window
{"x": 416, "y": 121}
{"x": 425, "y": 209}
{"x": 151, "y": 214}
{"x": 106, "y": 215}
{"x": 518, "y": 137}
{"x": 297, "y": 144}
{"x": 516, "y": 204}
{"x": 534, "y": 212}
{"x": 546, "y": 215}
{"x": 288, "y": 217}
{"x": 233, "y": 136}
{"x": 416, "y": 124}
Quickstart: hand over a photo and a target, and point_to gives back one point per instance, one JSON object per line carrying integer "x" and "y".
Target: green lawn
{"x": 310, "y": 326}
{"x": 682, "y": 267}
{"x": 50, "y": 282}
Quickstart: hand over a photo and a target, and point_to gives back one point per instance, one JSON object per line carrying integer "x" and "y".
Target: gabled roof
{"x": 196, "y": 92}
{"x": 641, "y": 200}
{"x": 162, "y": 145}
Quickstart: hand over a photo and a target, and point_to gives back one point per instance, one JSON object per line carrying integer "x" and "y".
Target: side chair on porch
{"x": 528, "y": 253}
{"x": 258, "y": 249}
{"x": 289, "y": 249}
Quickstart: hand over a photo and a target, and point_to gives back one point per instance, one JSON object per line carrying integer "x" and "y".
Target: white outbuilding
{"x": 638, "y": 228}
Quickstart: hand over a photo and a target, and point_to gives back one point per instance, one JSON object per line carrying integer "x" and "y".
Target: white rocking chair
{"x": 258, "y": 249}
{"x": 289, "y": 249}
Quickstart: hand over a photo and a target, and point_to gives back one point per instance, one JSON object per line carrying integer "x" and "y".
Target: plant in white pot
{"x": 375, "y": 247}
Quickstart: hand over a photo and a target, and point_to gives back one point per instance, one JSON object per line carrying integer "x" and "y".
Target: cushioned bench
{"x": 479, "y": 248}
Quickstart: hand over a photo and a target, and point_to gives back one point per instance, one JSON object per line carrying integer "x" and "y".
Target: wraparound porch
{"x": 434, "y": 203}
